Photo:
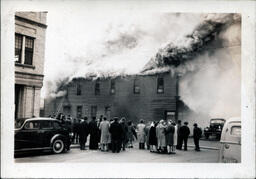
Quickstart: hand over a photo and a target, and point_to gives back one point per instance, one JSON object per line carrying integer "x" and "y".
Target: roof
{"x": 41, "y": 118}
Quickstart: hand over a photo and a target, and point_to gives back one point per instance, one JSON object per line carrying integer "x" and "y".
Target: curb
{"x": 205, "y": 147}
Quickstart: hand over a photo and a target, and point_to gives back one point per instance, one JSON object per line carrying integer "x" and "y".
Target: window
{"x": 24, "y": 49}
{"x": 79, "y": 112}
{"x": 236, "y": 130}
{"x": 136, "y": 87}
{"x": 93, "y": 111}
{"x": 32, "y": 125}
{"x": 67, "y": 110}
{"x": 18, "y": 47}
{"x": 112, "y": 87}
{"x": 29, "y": 44}
{"x": 56, "y": 125}
{"x": 78, "y": 89}
{"x": 97, "y": 88}
{"x": 46, "y": 125}
{"x": 160, "y": 85}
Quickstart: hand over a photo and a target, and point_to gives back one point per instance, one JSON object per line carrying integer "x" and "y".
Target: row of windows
{"x": 26, "y": 52}
{"x": 79, "y": 110}
{"x": 136, "y": 87}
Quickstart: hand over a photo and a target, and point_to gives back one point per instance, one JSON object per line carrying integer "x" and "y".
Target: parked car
{"x": 215, "y": 128}
{"x": 230, "y": 151}
{"x": 41, "y": 134}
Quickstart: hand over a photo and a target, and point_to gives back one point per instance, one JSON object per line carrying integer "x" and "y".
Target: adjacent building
{"x": 30, "y": 30}
{"x": 148, "y": 97}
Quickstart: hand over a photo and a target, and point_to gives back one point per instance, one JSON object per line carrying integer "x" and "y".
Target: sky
{"x": 86, "y": 41}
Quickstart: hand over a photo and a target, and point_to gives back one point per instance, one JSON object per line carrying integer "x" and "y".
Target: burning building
{"x": 30, "y": 30}
{"x": 194, "y": 78}
{"x": 148, "y": 97}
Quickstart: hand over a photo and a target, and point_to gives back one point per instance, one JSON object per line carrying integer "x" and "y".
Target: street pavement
{"x": 208, "y": 154}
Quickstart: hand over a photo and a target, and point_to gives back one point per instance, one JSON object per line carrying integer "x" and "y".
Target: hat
{"x": 186, "y": 123}
{"x": 195, "y": 124}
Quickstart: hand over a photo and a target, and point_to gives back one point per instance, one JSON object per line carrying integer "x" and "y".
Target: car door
{"x": 27, "y": 137}
{"x": 232, "y": 146}
{"x": 46, "y": 132}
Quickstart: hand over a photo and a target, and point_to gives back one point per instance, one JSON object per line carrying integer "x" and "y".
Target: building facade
{"x": 30, "y": 30}
{"x": 149, "y": 97}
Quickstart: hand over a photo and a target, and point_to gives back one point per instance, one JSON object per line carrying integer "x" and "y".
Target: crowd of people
{"x": 118, "y": 134}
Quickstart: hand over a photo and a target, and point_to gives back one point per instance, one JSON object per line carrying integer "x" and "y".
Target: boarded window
{"x": 97, "y": 88}
{"x": 136, "y": 86}
{"x": 18, "y": 47}
{"x": 112, "y": 87}
{"x": 160, "y": 85}
{"x": 93, "y": 111}
{"x": 79, "y": 112}
{"x": 29, "y": 49}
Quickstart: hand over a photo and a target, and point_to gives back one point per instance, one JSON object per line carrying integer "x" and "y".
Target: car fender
{"x": 57, "y": 136}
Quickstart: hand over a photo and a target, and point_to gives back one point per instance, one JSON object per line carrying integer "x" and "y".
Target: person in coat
{"x": 104, "y": 138}
{"x": 179, "y": 141}
{"x": 130, "y": 134}
{"x": 197, "y": 133}
{"x": 184, "y": 133}
{"x": 124, "y": 133}
{"x": 141, "y": 134}
{"x": 169, "y": 134}
{"x": 147, "y": 134}
{"x": 175, "y": 137}
{"x": 152, "y": 140}
{"x": 93, "y": 128}
{"x": 161, "y": 136}
{"x": 83, "y": 133}
{"x": 116, "y": 134}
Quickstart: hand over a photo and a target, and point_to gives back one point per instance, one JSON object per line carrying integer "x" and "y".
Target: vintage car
{"x": 41, "y": 134}
{"x": 215, "y": 128}
{"x": 230, "y": 151}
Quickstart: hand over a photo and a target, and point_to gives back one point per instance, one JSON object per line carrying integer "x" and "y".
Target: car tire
{"x": 58, "y": 146}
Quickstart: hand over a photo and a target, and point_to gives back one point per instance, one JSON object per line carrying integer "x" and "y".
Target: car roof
{"x": 234, "y": 119}
{"x": 41, "y": 119}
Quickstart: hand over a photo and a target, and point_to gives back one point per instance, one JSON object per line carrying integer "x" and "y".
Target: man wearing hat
{"x": 197, "y": 132}
{"x": 184, "y": 133}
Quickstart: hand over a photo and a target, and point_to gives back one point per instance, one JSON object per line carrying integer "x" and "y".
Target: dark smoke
{"x": 193, "y": 44}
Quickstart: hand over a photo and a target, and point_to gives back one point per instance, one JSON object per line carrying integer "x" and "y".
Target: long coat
{"x": 152, "y": 140}
{"x": 116, "y": 131}
{"x": 169, "y": 134}
{"x": 141, "y": 133}
{"x": 94, "y": 132}
{"x": 175, "y": 136}
{"x": 83, "y": 130}
{"x": 130, "y": 133}
{"x": 161, "y": 135}
{"x": 104, "y": 128}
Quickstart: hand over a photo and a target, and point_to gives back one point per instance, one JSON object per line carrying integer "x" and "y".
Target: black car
{"x": 215, "y": 128}
{"x": 41, "y": 134}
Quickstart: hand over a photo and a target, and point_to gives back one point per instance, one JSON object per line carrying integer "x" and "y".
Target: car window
{"x": 236, "y": 130}
{"x": 56, "y": 125}
{"x": 46, "y": 125}
{"x": 32, "y": 125}
{"x": 19, "y": 123}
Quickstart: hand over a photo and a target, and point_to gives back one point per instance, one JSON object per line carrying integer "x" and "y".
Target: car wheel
{"x": 58, "y": 146}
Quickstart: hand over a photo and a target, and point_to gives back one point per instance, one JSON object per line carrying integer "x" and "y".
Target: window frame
{"x": 78, "y": 89}
{"x": 21, "y": 45}
{"x": 97, "y": 87}
{"x": 160, "y": 87}
{"x": 28, "y": 50}
{"x": 77, "y": 112}
{"x": 136, "y": 85}
{"x": 95, "y": 111}
{"x": 112, "y": 87}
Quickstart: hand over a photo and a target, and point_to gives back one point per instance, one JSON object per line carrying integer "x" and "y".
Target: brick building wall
{"x": 148, "y": 104}
{"x": 30, "y": 29}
